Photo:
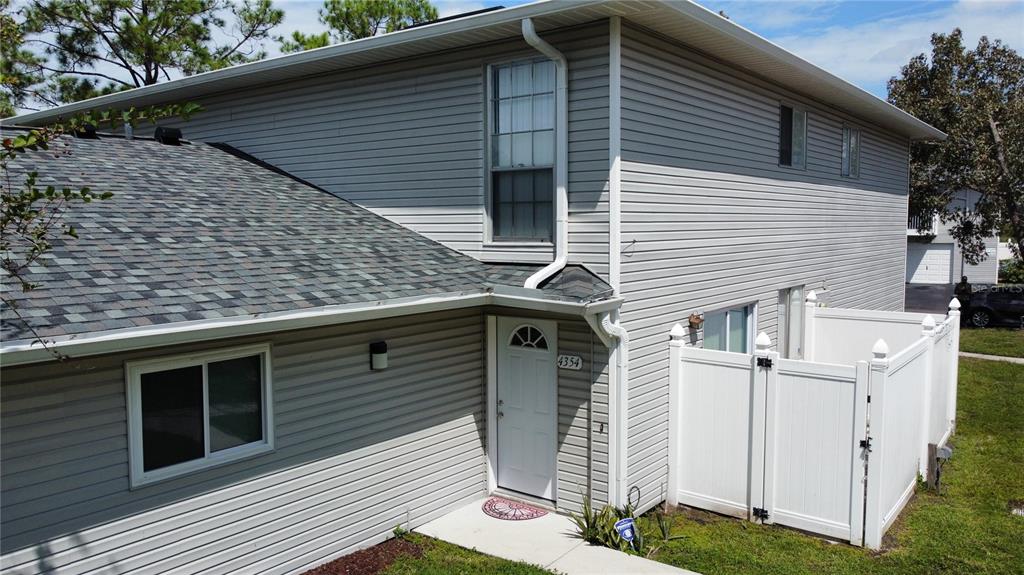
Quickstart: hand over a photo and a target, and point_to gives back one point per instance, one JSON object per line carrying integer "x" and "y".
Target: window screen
{"x": 522, "y": 150}
{"x": 792, "y": 137}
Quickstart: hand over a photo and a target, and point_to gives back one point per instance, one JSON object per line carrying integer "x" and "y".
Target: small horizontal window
{"x": 851, "y": 152}
{"x": 792, "y": 137}
{"x": 729, "y": 329}
{"x": 196, "y": 411}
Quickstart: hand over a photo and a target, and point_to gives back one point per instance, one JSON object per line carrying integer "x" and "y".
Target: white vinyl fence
{"x": 827, "y": 446}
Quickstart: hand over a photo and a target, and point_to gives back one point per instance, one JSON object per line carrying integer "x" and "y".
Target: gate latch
{"x": 866, "y": 444}
{"x": 764, "y": 362}
{"x": 761, "y": 513}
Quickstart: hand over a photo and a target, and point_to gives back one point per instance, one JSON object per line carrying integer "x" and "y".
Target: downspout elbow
{"x": 561, "y": 155}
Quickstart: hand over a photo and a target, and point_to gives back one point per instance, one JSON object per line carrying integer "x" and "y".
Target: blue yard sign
{"x": 626, "y": 529}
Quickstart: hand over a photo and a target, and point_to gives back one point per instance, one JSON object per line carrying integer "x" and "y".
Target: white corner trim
{"x": 615, "y": 152}
{"x": 492, "y": 399}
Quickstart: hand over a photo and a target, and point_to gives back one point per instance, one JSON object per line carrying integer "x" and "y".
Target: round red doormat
{"x": 501, "y": 508}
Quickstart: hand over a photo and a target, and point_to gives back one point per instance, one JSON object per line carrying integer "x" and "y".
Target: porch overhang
{"x": 32, "y": 351}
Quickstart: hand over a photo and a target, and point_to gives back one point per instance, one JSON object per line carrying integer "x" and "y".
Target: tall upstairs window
{"x": 792, "y": 137}
{"x": 851, "y": 152}
{"x": 522, "y": 151}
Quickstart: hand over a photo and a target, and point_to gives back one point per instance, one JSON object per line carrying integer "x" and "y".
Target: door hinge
{"x": 761, "y": 513}
{"x": 764, "y": 362}
{"x": 866, "y": 444}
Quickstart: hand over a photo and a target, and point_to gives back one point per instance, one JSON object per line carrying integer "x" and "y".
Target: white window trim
{"x": 489, "y": 241}
{"x": 135, "y": 369}
{"x": 751, "y": 322}
{"x": 807, "y": 120}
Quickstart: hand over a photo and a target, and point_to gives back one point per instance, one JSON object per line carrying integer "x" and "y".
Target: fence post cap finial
{"x": 881, "y": 349}
{"x": 954, "y": 304}
{"x": 763, "y": 341}
{"x": 678, "y": 332}
{"x": 928, "y": 322}
{"x": 811, "y": 297}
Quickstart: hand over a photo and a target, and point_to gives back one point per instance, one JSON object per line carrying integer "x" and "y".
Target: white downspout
{"x": 561, "y": 155}
{"x": 618, "y": 410}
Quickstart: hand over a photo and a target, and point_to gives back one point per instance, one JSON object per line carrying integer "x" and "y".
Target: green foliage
{"x": 1011, "y": 271}
{"x": 32, "y": 214}
{"x": 143, "y": 41}
{"x": 598, "y": 528}
{"x": 967, "y": 530}
{"x": 355, "y": 19}
{"x": 977, "y": 98}
{"x": 300, "y": 42}
{"x": 19, "y": 67}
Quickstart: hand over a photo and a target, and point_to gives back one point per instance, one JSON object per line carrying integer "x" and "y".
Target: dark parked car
{"x": 996, "y": 305}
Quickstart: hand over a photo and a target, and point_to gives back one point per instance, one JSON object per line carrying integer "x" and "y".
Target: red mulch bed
{"x": 369, "y": 561}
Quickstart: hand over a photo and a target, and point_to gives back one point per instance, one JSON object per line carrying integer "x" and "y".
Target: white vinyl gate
{"x": 827, "y": 448}
{"x": 772, "y": 439}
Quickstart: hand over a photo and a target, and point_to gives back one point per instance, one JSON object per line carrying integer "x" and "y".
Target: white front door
{"x": 527, "y": 407}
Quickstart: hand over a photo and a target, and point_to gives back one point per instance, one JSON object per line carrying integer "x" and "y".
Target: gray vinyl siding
{"x": 407, "y": 140}
{"x": 711, "y": 220}
{"x": 357, "y": 453}
{"x": 582, "y": 418}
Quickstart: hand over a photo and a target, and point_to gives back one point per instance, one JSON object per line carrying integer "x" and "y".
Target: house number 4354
{"x": 570, "y": 362}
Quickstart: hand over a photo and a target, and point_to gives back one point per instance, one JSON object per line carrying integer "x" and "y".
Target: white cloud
{"x": 868, "y": 54}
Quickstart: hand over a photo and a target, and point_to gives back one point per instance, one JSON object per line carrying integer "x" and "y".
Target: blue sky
{"x": 864, "y": 41}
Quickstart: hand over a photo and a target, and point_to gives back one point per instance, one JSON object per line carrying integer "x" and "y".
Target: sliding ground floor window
{"x": 729, "y": 329}
{"x": 190, "y": 412}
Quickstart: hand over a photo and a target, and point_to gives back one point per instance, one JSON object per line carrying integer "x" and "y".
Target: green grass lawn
{"x": 994, "y": 341}
{"x": 440, "y": 558}
{"x": 965, "y": 530}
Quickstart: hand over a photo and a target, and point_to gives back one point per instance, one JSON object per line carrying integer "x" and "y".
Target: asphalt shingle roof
{"x": 194, "y": 232}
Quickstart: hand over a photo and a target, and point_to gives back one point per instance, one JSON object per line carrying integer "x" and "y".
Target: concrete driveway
{"x": 928, "y": 298}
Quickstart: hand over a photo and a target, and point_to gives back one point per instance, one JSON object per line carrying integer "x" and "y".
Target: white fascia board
{"x": 26, "y": 351}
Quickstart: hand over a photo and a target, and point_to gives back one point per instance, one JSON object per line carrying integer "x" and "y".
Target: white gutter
{"x": 561, "y": 155}
{"x": 22, "y": 352}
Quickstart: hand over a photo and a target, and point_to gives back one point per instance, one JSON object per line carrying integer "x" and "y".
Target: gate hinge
{"x": 866, "y": 444}
{"x": 761, "y": 513}
{"x": 764, "y": 362}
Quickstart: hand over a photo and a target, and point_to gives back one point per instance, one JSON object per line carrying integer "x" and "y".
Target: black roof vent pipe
{"x": 169, "y": 136}
{"x": 86, "y": 132}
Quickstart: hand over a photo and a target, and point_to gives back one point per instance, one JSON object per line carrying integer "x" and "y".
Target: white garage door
{"x": 929, "y": 263}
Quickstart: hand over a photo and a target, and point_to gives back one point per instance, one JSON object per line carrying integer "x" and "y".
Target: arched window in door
{"x": 528, "y": 336}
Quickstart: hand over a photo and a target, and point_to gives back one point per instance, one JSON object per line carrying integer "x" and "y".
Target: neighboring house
{"x": 933, "y": 257}
{"x": 675, "y": 162}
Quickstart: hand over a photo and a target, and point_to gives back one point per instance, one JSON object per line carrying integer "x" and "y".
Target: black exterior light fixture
{"x": 378, "y": 355}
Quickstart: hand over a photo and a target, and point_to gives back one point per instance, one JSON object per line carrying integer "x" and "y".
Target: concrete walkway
{"x": 1019, "y": 360}
{"x": 545, "y": 541}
